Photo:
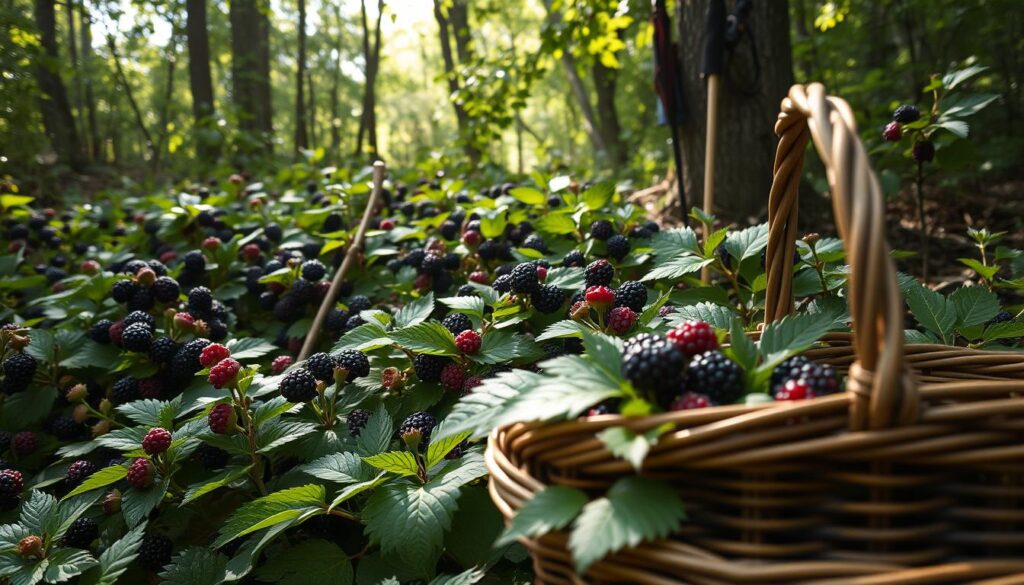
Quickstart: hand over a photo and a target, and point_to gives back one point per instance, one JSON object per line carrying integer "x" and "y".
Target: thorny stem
{"x": 255, "y": 472}
{"x": 919, "y": 184}
{"x": 819, "y": 267}
{"x": 735, "y": 283}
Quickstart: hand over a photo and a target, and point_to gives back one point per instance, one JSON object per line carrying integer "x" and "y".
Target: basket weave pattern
{"x": 914, "y": 475}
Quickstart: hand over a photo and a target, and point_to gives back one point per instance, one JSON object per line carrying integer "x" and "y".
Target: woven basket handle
{"x": 882, "y": 392}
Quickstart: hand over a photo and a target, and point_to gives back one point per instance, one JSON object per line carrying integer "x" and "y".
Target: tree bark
{"x": 301, "y": 135}
{"x": 200, "y": 80}
{"x": 165, "y": 105}
{"x": 746, "y": 140}
{"x": 312, "y": 109}
{"x": 250, "y": 72}
{"x": 336, "y": 87}
{"x": 605, "y": 80}
{"x": 453, "y": 20}
{"x": 58, "y": 121}
{"x": 150, "y": 146}
{"x": 371, "y": 55}
{"x": 94, "y": 146}
{"x": 76, "y": 81}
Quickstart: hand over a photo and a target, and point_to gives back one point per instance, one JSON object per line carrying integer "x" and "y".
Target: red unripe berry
{"x": 471, "y": 383}
{"x": 694, "y": 337}
{"x": 211, "y": 243}
{"x": 690, "y": 401}
{"x": 479, "y": 277}
{"x": 542, "y": 273}
{"x": 250, "y": 252}
{"x": 600, "y": 296}
{"x": 212, "y": 354}
{"x": 115, "y": 332}
{"x": 794, "y": 390}
{"x": 168, "y": 256}
{"x": 468, "y": 342}
{"x": 387, "y": 224}
{"x": 621, "y": 319}
{"x": 893, "y": 132}
{"x": 90, "y": 267}
{"x": 141, "y": 473}
{"x": 25, "y": 443}
{"x": 224, "y": 372}
{"x": 452, "y": 377}
{"x": 222, "y": 419}
{"x": 156, "y": 441}
{"x": 184, "y": 321}
{"x": 281, "y": 364}
{"x": 471, "y": 238}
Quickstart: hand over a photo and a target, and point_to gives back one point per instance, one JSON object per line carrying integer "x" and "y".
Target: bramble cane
{"x": 354, "y": 247}
{"x": 715, "y": 31}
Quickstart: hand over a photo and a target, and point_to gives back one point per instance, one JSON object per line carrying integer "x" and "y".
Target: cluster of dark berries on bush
{"x": 617, "y": 309}
{"x": 147, "y": 286}
{"x": 416, "y": 429}
{"x": 799, "y": 377}
{"x": 924, "y": 149}
{"x": 19, "y": 369}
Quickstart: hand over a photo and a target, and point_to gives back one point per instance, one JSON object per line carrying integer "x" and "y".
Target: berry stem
{"x": 919, "y": 190}
{"x": 256, "y": 471}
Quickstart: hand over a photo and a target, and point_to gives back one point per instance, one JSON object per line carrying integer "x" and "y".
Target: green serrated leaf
{"x": 628, "y": 445}
{"x": 136, "y": 504}
{"x": 101, "y": 478}
{"x": 250, "y": 348}
{"x": 566, "y": 277}
{"x": 221, "y": 479}
{"x": 791, "y": 335}
{"x": 416, "y": 311}
{"x": 440, "y": 447}
{"x": 429, "y": 337}
{"x": 744, "y": 351}
{"x": 747, "y": 243}
{"x": 550, "y": 509}
{"x": 376, "y": 435}
{"x": 561, "y": 329}
{"x": 115, "y": 560}
{"x": 400, "y": 462}
{"x": 196, "y": 565}
{"x": 676, "y": 267}
{"x": 716, "y": 315}
{"x": 312, "y": 562}
{"x": 269, "y": 510}
{"x": 933, "y": 311}
{"x": 974, "y": 305}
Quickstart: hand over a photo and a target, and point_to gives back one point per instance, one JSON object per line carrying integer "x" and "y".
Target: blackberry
{"x": 66, "y": 428}
{"x": 428, "y": 367}
{"x": 449, "y": 230}
{"x": 313, "y": 270}
{"x": 133, "y": 266}
{"x": 200, "y": 299}
{"x": 524, "y": 278}
{"x": 457, "y": 323}
{"x": 355, "y": 363}
{"x": 489, "y": 250}
{"x": 631, "y": 294}
{"x": 125, "y": 390}
{"x": 185, "y": 362}
{"x": 321, "y": 365}
{"x": 335, "y": 320}
{"x": 19, "y": 369}
{"x": 155, "y": 551}
{"x": 654, "y": 365}
{"x": 924, "y": 151}
{"x": 415, "y": 258}
{"x": 123, "y": 290}
{"x": 503, "y": 284}
{"x": 81, "y": 533}
{"x": 353, "y": 322}
{"x": 100, "y": 331}
{"x": 618, "y": 247}
{"x": 906, "y": 114}
{"x": 332, "y": 222}
{"x": 535, "y": 242}
{"x": 212, "y": 457}
{"x": 821, "y": 378}
{"x": 639, "y": 233}
{"x": 452, "y": 261}
{"x": 357, "y": 420}
{"x": 418, "y": 423}
{"x": 137, "y": 338}
{"x": 166, "y": 289}
{"x": 140, "y": 317}
{"x": 162, "y": 350}
{"x": 25, "y": 443}
{"x": 394, "y": 265}
{"x": 717, "y": 376}
{"x": 358, "y": 304}
{"x": 503, "y": 270}
{"x": 575, "y": 259}
{"x": 142, "y": 300}
{"x": 602, "y": 229}
{"x": 466, "y": 291}
{"x": 432, "y": 264}
{"x": 599, "y": 273}
{"x": 11, "y": 484}
{"x": 548, "y": 298}
{"x": 195, "y": 262}
{"x": 217, "y": 329}
{"x": 78, "y": 472}
{"x": 298, "y": 386}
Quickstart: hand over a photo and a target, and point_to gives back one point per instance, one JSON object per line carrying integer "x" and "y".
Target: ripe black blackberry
{"x": 548, "y": 298}
{"x": 415, "y": 258}
{"x": 602, "y": 229}
{"x": 355, "y": 362}
{"x": 654, "y": 365}
{"x": 353, "y": 322}
{"x": 432, "y": 264}
{"x": 313, "y": 270}
{"x": 123, "y": 290}
{"x": 212, "y": 457}
{"x": 599, "y": 273}
{"x": 358, "y": 304}
{"x": 457, "y": 323}
{"x": 200, "y": 299}
{"x": 11, "y": 484}
{"x": 489, "y": 250}
{"x": 166, "y": 289}
{"x": 81, "y": 533}
{"x": 574, "y": 258}
{"x": 452, "y": 261}
{"x": 428, "y": 367}
{"x": 140, "y": 317}
{"x": 137, "y": 338}
{"x": 142, "y": 300}
{"x": 503, "y": 284}
{"x": 335, "y": 320}
{"x": 66, "y": 428}
{"x": 125, "y": 390}
{"x": 631, "y": 294}
{"x": 466, "y": 291}
{"x": 100, "y": 331}
{"x": 717, "y": 376}
{"x": 357, "y": 420}
{"x": 821, "y": 378}
{"x": 19, "y": 369}
{"x": 321, "y": 365}
{"x": 78, "y": 472}
{"x": 524, "y": 278}
{"x": 723, "y": 255}
{"x": 418, "y": 422}
{"x": 298, "y": 385}
{"x": 534, "y": 242}
{"x": 195, "y": 262}
{"x": 906, "y": 114}
{"x": 185, "y": 362}
{"x": 133, "y": 266}
{"x": 162, "y": 350}
{"x": 449, "y": 230}
{"x": 218, "y": 330}
{"x": 155, "y": 551}
{"x": 618, "y": 247}
{"x": 503, "y": 270}
{"x": 332, "y": 222}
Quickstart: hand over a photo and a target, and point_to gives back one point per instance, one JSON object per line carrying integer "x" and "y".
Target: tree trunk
{"x": 312, "y": 109}
{"x": 605, "y": 79}
{"x": 335, "y": 88}
{"x": 367, "y": 58}
{"x": 453, "y": 20}
{"x": 76, "y": 81}
{"x": 58, "y": 121}
{"x": 94, "y": 146}
{"x": 368, "y": 118}
{"x": 149, "y": 145}
{"x": 200, "y": 80}
{"x": 250, "y": 72}
{"x": 746, "y": 140}
{"x": 301, "y": 137}
{"x": 165, "y": 105}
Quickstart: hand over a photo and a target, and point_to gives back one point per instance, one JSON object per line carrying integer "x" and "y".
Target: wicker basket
{"x": 905, "y": 478}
